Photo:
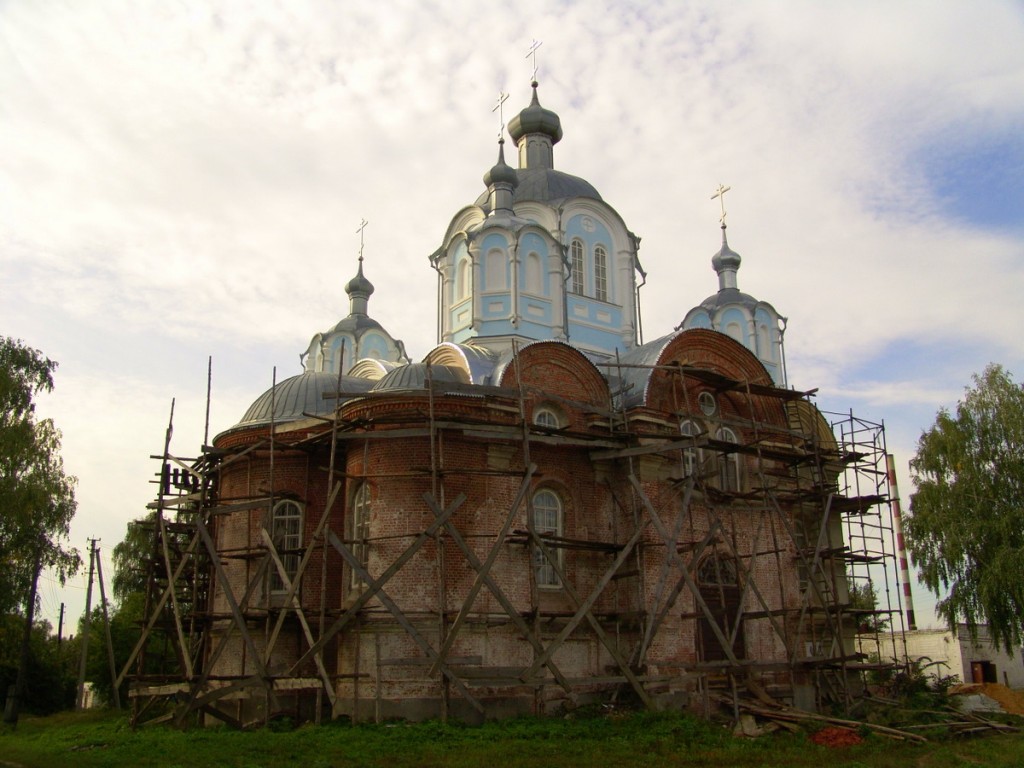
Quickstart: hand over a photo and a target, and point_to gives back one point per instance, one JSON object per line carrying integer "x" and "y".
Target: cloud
{"x": 184, "y": 180}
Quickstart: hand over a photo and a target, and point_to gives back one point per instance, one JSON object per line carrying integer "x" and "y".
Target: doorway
{"x": 719, "y": 586}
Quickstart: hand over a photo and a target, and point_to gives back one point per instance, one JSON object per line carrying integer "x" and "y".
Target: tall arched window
{"x": 692, "y": 455}
{"x": 766, "y": 351}
{"x": 600, "y": 273}
{"x": 496, "y": 269}
{"x": 286, "y": 533}
{"x": 534, "y": 278}
{"x": 547, "y": 519}
{"x": 578, "y": 266}
{"x": 360, "y": 530}
{"x": 729, "y": 463}
{"x": 463, "y": 280}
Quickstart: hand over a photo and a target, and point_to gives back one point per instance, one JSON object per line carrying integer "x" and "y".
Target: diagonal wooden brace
{"x": 293, "y": 587}
{"x": 653, "y": 618}
{"x": 154, "y": 613}
{"x": 690, "y": 583}
{"x": 606, "y": 641}
{"x": 197, "y": 685}
{"x": 236, "y": 612}
{"x": 401, "y": 618}
{"x": 372, "y": 589}
{"x": 485, "y": 570}
{"x": 499, "y": 595}
{"x": 297, "y": 607}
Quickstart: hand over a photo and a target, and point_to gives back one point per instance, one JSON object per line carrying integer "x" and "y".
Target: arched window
{"x": 534, "y": 278}
{"x": 766, "y": 351}
{"x": 547, "y": 416}
{"x": 547, "y": 519}
{"x": 729, "y": 463}
{"x": 600, "y": 273}
{"x": 717, "y": 571}
{"x": 360, "y": 530}
{"x": 463, "y": 280}
{"x": 577, "y": 264}
{"x": 734, "y": 330}
{"x": 692, "y": 455}
{"x": 496, "y": 269}
{"x": 286, "y": 533}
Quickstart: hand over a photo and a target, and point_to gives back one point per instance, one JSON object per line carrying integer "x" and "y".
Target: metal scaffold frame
{"x": 818, "y": 498}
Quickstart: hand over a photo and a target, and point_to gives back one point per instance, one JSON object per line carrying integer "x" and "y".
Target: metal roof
{"x": 302, "y": 395}
{"x": 545, "y": 185}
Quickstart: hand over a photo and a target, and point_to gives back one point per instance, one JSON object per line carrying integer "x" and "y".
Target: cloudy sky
{"x": 184, "y": 180}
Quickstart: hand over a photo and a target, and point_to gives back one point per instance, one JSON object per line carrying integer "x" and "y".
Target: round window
{"x": 707, "y": 403}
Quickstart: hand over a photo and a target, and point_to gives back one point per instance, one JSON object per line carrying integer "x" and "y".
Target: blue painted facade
{"x": 754, "y": 324}
{"x": 524, "y": 235}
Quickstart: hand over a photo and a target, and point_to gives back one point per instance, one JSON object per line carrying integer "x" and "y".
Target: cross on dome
{"x": 500, "y": 109}
{"x": 720, "y": 194}
{"x": 533, "y": 52}
{"x": 362, "y": 226}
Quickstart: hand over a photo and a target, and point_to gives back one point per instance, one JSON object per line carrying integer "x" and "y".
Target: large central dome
{"x": 545, "y": 185}
{"x": 539, "y": 256}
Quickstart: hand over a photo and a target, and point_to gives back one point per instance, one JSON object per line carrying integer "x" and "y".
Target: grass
{"x": 99, "y": 738}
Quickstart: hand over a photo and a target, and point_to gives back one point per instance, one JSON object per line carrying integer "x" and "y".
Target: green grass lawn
{"x": 104, "y": 739}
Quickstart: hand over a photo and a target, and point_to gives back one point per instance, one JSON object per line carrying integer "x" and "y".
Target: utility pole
{"x": 106, "y": 628}
{"x": 60, "y": 628}
{"x": 80, "y": 699}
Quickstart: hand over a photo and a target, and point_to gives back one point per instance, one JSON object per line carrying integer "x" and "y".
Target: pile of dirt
{"x": 832, "y": 736}
{"x": 1011, "y": 701}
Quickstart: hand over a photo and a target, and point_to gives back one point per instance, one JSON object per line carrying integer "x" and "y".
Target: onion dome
{"x": 353, "y": 337}
{"x": 501, "y": 173}
{"x": 501, "y": 182}
{"x": 726, "y": 263}
{"x": 359, "y": 286}
{"x": 535, "y": 119}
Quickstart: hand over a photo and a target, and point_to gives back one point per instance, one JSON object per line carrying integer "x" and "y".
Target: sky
{"x": 181, "y": 181}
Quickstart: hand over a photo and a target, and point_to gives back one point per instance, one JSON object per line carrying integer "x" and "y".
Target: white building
{"x": 973, "y": 662}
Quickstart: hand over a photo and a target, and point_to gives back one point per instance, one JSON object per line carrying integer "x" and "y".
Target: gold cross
{"x": 533, "y": 52}
{"x": 720, "y": 194}
{"x": 500, "y": 109}
{"x": 362, "y": 226}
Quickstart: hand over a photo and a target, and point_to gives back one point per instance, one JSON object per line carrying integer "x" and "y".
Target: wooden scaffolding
{"x": 817, "y": 489}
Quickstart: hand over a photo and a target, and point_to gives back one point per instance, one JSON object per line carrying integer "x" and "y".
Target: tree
{"x": 965, "y": 530}
{"x": 131, "y": 556}
{"x": 37, "y": 498}
{"x": 864, "y": 605}
{"x": 51, "y": 666}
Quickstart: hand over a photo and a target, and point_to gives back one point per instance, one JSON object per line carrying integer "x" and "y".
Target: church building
{"x": 540, "y": 512}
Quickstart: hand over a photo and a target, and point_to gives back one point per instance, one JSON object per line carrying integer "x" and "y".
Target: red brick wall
{"x": 478, "y": 451}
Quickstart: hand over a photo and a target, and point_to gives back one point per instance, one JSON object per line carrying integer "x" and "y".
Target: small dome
{"x": 414, "y": 376}
{"x": 359, "y": 285}
{"x": 300, "y": 395}
{"x": 729, "y": 296}
{"x": 356, "y": 323}
{"x": 535, "y": 119}
{"x": 726, "y": 258}
{"x": 501, "y": 172}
